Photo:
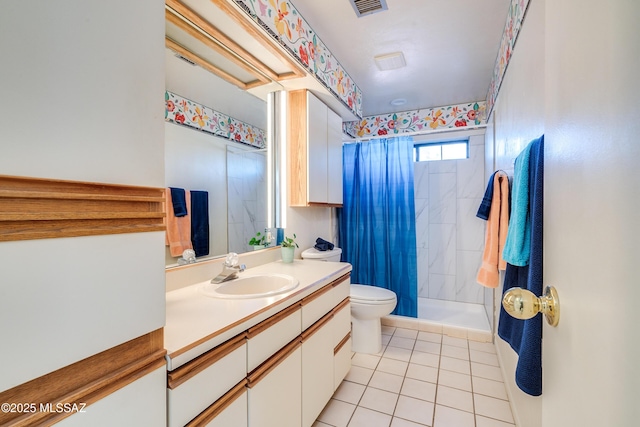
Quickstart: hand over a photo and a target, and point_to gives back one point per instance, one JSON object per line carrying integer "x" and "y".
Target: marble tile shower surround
{"x": 247, "y": 196}
{"x": 449, "y": 237}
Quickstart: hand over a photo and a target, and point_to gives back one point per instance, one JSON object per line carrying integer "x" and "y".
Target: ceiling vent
{"x": 367, "y": 7}
{"x": 187, "y": 60}
{"x": 390, "y": 61}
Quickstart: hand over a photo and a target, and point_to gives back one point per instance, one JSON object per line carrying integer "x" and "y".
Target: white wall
{"x": 308, "y": 224}
{"x": 518, "y": 117}
{"x": 79, "y": 87}
{"x": 82, "y": 86}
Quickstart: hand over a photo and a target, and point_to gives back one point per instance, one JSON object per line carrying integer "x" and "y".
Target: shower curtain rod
{"x": 416, "y": 133}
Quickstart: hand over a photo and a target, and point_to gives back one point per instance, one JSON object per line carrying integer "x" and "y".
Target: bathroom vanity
{"x": 265, "y": 361}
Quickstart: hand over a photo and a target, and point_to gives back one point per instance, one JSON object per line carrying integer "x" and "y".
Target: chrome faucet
{"x": 230, "y": 269}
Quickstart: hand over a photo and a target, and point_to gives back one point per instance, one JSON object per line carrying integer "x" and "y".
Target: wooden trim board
{"x": 85, "y": 382}
{"x": 199, "y": 364}
{"x": 36, "y": 208}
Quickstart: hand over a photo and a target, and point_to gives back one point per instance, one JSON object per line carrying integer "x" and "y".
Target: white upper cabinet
{"x": 334, "y": 158}
{"x": 315, "y": 152}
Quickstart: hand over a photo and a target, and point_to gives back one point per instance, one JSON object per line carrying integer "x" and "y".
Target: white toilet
{"x": 368, "y": 305}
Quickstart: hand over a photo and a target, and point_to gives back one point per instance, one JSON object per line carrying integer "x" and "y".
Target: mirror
{"x": 232, "y": 75}
{"x": 234, "y": 177}
{"x": 218, "y": 57}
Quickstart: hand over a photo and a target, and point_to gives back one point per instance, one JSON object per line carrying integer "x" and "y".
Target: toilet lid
{"x": 313, "y": 253}
{"x": 371, "y": 293}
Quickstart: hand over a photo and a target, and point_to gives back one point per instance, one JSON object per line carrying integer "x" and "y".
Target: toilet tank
{"x": 316, "y": 255}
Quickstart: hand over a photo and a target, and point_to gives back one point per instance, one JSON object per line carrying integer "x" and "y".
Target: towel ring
{"x": 524, "y": 304}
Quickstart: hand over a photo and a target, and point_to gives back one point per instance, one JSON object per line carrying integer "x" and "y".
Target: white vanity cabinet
{"x": 315, "y": 152}
{"x": 317, "y": 369}
{"x": 323, "y": 317}
{"x": 278, "y": 372}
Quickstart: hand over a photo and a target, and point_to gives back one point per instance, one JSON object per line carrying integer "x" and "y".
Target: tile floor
{"x": 421, "y": 379}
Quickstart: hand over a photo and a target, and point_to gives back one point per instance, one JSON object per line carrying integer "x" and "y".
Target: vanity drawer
{"x": 270, "y": 335}
{"x": 317, "y": 305}
{"x": 341, "y": 289}
{"x": 196, "y": 385}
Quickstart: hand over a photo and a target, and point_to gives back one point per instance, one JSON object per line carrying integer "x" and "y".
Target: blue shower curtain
{"x": 377, "y": 220}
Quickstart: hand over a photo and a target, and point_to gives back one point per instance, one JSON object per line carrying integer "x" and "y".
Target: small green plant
{"x": 288, "y": 242}
{"x": 258, "y": 240}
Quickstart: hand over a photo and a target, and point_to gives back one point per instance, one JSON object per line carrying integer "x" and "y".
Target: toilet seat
{"x": 373, "y": 295}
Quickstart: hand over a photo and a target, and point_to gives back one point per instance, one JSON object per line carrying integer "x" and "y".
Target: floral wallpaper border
{"x": 284, "y": 23}
{"x": 188, "y": 113}
{"x": 515, "y": 17}
{"x": 423, "y": 120}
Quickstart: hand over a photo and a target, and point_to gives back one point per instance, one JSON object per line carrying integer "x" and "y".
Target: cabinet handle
{"x": 270, "y": 364}
{"x": 345, "y": 302}
{"x": 340, "y": 279}
{"x": 342, "y": 343}
{"x": 199, "y": 364}
{"x": 316, "y": 326}
{"x": 265, "y": 324}
{"x": 316, "y": 294}
{"x": 219, "y": 405}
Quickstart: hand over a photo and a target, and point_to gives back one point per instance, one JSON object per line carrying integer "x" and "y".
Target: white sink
{"x": 251, "y": 286}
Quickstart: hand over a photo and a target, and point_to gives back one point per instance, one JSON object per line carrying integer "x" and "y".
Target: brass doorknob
{"x": 523, "y": 304}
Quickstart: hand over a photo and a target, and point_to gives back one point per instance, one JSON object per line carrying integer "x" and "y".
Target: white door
{"x": 591, "y": 361}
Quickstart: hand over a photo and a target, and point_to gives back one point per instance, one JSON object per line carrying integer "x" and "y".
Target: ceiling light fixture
{"x": 398, "y": 102}
{"x": 390, "y": 61}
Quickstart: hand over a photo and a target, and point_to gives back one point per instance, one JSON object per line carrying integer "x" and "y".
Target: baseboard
{"x": 429, "y": 326}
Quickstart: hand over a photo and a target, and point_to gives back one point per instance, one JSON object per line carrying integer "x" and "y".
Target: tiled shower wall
{"x": 247, "y": 197}
{"x": 450, "y": 238}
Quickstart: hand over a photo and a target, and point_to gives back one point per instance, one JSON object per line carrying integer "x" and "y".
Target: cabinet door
{"x": 274, "y": 399}
{"x": 317, "y": 150}
{"x": 341, "y": 362}
{"x": 233, "y": 415}
{"x": 334, "y": 158}
{"x": 341, "y": 328}
{"x": 317, "y": 369}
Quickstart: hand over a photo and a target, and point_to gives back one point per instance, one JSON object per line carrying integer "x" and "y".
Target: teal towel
{"x": 518, "y": 244}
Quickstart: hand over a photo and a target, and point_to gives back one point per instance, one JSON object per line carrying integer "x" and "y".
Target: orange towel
{"x": 497, "y": 227}
{"x": 178, "y": 234}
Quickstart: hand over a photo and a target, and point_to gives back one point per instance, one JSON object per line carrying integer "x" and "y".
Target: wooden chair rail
{"x": 85, "y": 382}
{"x": 36, "y": 208}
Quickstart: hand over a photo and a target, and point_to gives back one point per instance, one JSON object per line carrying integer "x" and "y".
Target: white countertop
{"x": 196, "y": 323}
